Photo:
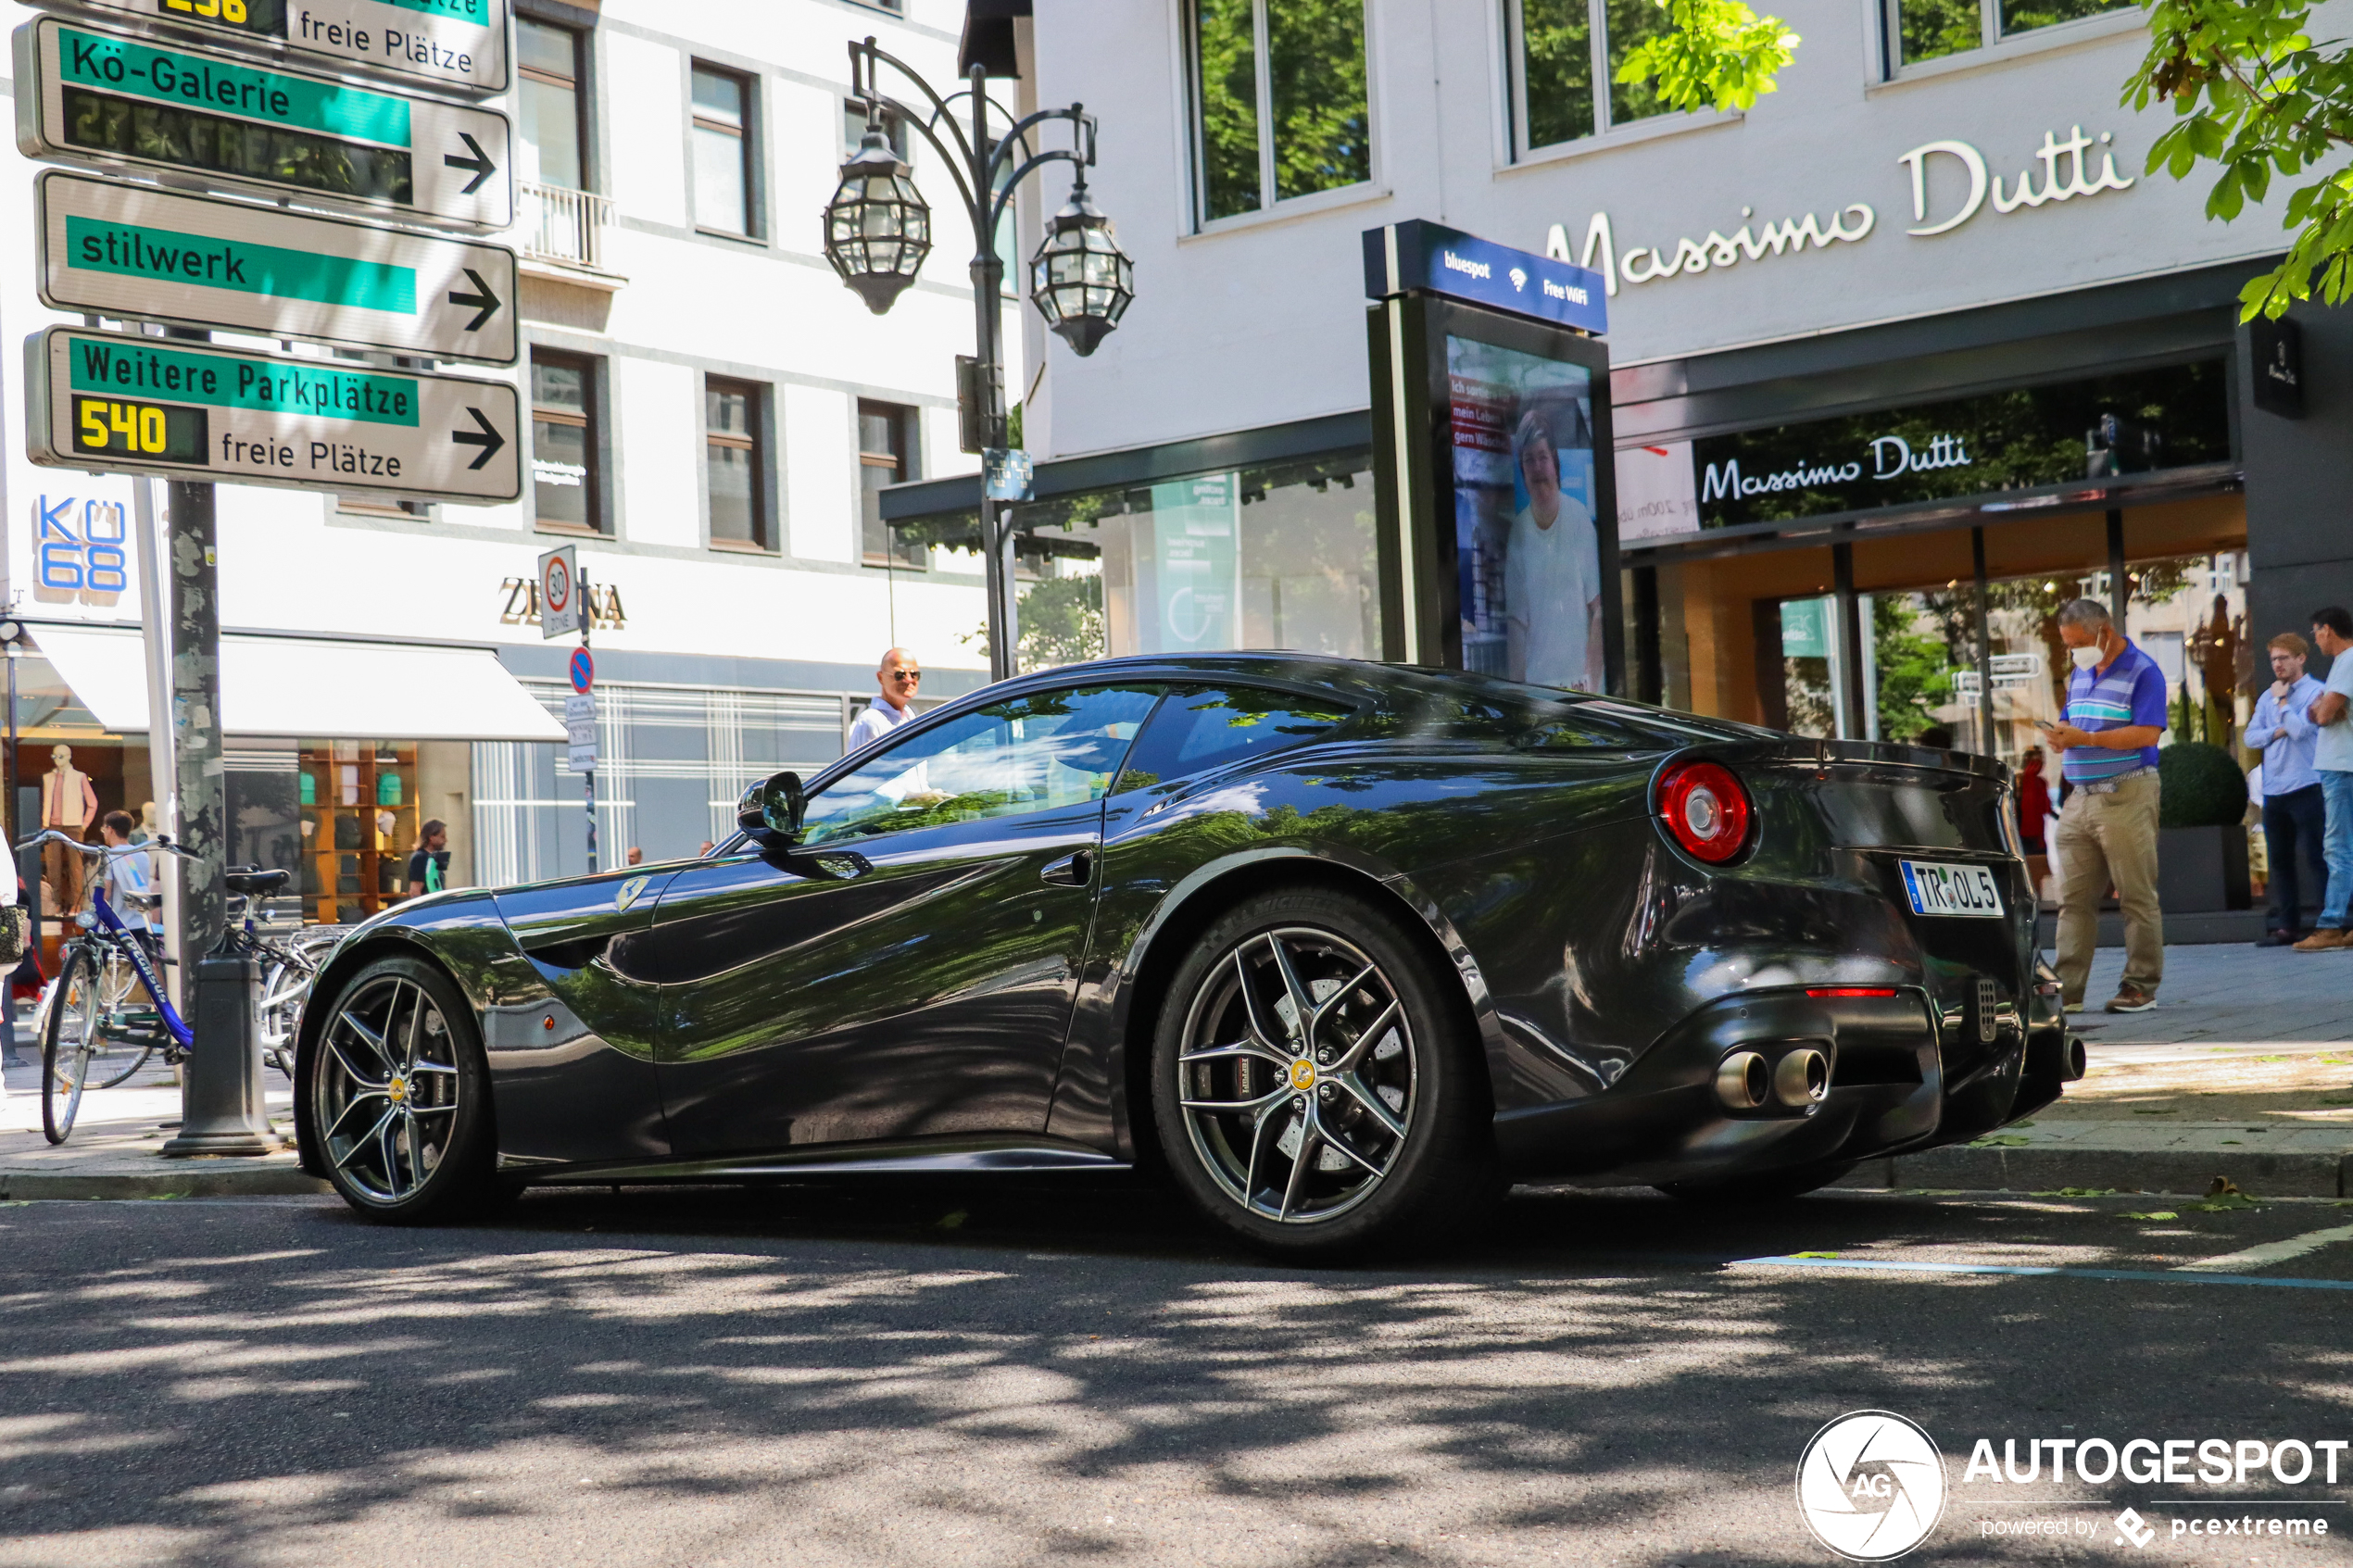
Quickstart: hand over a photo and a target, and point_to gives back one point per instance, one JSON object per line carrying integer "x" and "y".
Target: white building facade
{"x": 1939, "y": 228}
{"x": 709, "y": 415}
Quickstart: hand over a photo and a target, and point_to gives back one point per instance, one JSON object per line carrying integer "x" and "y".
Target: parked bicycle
{"x": 108, "y": 1011}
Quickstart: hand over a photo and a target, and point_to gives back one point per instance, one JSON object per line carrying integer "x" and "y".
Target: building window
{"x": 733, "y": 467}
{"x": 547, "y": 99}
{"x": 853, "y": 128}
{"x": 563, "y": 442}
{"x": 1560, "y": 48}
{"x": 1930, "y": 30}
{"x": 882, "y": 459}
{"x": 1280, "y": 107}
{"x": 723, "y": 151}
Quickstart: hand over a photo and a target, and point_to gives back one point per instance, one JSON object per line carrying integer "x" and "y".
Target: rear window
{"x": 1197, "y": 729}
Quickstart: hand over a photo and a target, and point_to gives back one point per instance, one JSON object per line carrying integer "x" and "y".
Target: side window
{"x": 1203, "y": 728}
{"x": 1033, "y": 754}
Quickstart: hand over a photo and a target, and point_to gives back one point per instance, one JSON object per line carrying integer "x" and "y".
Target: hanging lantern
{"x": 877, "y": 226}
{"x": 1080, "y": 280}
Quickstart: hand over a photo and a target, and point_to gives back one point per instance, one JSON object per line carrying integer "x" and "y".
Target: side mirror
{"x": 771, "y": 810}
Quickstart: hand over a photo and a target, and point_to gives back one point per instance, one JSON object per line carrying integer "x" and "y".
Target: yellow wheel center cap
{"x": 1302, "y": 1074}
{"x": 396, "y": 1090}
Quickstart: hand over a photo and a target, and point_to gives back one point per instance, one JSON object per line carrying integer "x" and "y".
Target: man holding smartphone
{"x": 2106, "y": 832}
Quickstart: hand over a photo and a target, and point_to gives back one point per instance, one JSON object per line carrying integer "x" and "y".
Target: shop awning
{"x": 312, "y": 688}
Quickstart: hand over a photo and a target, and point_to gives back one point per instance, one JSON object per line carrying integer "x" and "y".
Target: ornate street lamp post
{"x": 878, "y": 230}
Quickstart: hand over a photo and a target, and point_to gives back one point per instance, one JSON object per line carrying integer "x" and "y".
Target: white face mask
{"x": 2085, "y": 658}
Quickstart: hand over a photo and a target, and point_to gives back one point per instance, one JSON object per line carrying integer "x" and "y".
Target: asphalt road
{"x": 927, "y": 1374}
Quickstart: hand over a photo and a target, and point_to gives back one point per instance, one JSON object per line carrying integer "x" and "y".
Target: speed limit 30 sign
{"x": 560, "y": 593}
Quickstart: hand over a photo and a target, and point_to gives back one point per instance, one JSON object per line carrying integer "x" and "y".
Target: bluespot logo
{"x": 1453, "y": 263}
{"x": 1870, "y": 1486}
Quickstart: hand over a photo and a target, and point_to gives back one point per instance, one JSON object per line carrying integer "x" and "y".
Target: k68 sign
{"x": 81, "y": 551}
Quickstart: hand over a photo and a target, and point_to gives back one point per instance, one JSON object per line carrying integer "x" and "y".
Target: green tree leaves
{"x": 1716, "y": 54}
{"x": 2255, "y": 95}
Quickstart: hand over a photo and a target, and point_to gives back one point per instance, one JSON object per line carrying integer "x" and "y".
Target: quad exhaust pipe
{"x": 1746, "y": 1081}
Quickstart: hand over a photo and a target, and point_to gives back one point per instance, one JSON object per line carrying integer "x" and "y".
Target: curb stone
{"x": 2032, "y": 1168}
{"x": 191, "y": 1178}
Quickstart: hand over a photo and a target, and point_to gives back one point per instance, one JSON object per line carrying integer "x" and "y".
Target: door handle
{"x": 1071, "y": 871}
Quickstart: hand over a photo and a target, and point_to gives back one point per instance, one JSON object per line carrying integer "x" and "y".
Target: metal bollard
{"x": 220, "y": 1107}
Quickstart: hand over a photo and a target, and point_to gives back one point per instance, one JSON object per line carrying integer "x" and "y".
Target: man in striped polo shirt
{"x": 2106, "y": 832}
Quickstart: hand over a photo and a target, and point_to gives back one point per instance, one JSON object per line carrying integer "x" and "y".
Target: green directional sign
{"x": 135, "y": 253}
{"x": 108, "y": 97}
{"x": 457, "y": 45}
{"x": 114, "y": 402}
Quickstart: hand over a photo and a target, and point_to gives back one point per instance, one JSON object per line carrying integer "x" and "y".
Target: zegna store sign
{"x": 2079, "y": 167}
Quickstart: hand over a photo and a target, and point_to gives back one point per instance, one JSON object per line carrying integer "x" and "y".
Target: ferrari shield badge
{"x": 630, "y": 891}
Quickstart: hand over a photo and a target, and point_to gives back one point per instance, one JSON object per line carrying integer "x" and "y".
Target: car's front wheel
{"x": 1315, "y": 1088}
{"x": 398, "y": 1095}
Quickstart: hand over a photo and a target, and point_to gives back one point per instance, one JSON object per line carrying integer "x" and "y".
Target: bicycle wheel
{"x": 285, "y": 984}
{"x": 75, "y": 1015}
{"x": 114, "y": 1057}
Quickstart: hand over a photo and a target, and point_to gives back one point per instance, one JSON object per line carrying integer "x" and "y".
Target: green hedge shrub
{"x": 2202, "y": 786}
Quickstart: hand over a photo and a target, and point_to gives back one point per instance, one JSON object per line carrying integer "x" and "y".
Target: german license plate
{"x": 1951, "y": 890}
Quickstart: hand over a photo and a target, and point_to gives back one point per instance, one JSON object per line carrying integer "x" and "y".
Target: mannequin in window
{"x": 68, "y": 802}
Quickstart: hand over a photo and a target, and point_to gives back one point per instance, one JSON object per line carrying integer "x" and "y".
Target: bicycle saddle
{"x": 253, "y": 882}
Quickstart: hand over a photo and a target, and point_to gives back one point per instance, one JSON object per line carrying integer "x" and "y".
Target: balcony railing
{"x": 563, "y": 225}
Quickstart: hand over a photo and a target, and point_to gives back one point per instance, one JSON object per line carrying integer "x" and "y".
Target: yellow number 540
{"x": 139, "y": 429}
{"x": 223, "y": 10}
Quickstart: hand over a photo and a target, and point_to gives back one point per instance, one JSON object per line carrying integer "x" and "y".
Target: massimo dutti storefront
{"x": 1903, "y": 358}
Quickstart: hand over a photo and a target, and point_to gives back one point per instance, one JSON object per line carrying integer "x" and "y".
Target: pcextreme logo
{"x": 1870, "y": 1486}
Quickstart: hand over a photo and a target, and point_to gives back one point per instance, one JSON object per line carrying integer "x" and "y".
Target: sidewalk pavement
{"x": 2243, "y": 1070}
{"x": 113, "y": 1150}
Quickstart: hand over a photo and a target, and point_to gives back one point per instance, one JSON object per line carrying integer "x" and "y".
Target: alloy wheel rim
{"x": 1296, "y": 1074}
{"x": 388, "y": 1088}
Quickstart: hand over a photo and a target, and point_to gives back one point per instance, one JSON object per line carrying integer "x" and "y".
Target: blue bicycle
{"x": 109, "y": 1009}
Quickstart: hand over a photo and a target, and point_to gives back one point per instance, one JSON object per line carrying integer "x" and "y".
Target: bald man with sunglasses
{"x": 899, "y": 677}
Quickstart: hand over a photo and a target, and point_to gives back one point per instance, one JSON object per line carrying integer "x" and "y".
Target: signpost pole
{"x": 163, "y": 776}
{"x": 220, "y": 1092}
{"x": 580, "y": 587}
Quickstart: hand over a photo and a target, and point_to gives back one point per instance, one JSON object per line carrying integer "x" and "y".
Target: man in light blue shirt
{"x": 2333, "y": 760}
{"x": 2294, "y": 815}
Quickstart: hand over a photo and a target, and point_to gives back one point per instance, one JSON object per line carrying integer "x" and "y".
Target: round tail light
{"x": 1706, "y": 808}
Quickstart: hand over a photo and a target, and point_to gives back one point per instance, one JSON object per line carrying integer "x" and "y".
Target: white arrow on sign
{"x": 139, "y": 254}
{"x": 115, "y": 402}
{"x": 451, "y": 44}
{"x": 110, "y": 97}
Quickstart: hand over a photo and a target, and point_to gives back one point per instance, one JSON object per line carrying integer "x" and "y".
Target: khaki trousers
{"x": 2102, "y": 840}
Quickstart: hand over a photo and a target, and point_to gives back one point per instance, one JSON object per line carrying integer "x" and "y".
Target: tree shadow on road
{"x": 910, "y": 1372}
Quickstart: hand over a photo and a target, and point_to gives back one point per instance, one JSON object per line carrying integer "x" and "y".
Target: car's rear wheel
{"x": 399, "y": 1096}
{"x": 1315, "y": 1087}
{"x": 1766, "y": 1186}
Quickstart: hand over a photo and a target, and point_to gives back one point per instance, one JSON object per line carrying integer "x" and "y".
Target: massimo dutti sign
{"x": 2139, "y": 422}
{"x": 2072, "y": 169}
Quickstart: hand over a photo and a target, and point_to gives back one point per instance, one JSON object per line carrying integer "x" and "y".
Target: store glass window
{"x": 1276, "y": 556}
{"x": 1919, "y": 676}
{"x": 883, "y": 430}
{"x": 672, "y": 764}
{"x": 564, "y": 489}
{"x": 1279, "y": 101}
{"x": 1929, "y": 29}
{"x": 732, "y": 463}
{"x": 547, "y": 103}
{"x": 723, "y": 151}
{"x": 1560, "y": 48}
